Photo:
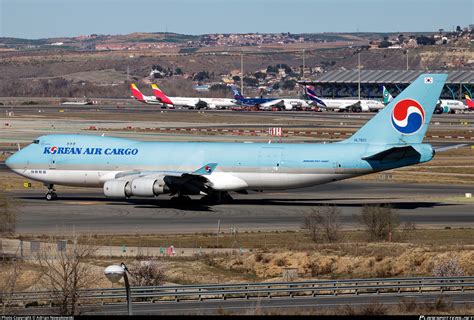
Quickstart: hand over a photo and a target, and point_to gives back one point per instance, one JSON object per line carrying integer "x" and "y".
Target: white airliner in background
{"x": 450, "y": 106}
{"x": 136, "y": 94}
{"x": 192, "y": 102}
{"x": 268, "y": 103}
{"x": 442, "y": 106}
{"x": 355, "y": 105}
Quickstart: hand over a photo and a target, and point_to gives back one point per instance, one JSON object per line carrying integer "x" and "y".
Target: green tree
{"x": 201, "y": 75}
{"x": 218, "y": 87}
{"x": 379, "y": 221}
{"x": 385, "y": 44}
{"x": 260, "y": 75}
{"x": 251, "y": 82}
{"x": 289, "y": 84}
{"x": 272, "y": 69}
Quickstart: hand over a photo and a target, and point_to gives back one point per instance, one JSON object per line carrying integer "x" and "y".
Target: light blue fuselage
{"x": 84, "y": 160}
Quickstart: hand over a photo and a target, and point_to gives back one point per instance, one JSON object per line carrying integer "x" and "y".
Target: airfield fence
{"x": 155, "y": 294}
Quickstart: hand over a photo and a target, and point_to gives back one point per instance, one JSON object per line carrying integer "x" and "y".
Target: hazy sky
{"x": 51, "y": 18}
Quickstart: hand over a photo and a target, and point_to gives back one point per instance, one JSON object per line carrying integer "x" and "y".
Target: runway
{"x": 87, "y": 210}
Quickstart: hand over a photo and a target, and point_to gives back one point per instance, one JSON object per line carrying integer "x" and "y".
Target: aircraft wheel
{"x": 181, "y": 199}
{"x": 221, "y": 198}
{"x": 50, "y": 196}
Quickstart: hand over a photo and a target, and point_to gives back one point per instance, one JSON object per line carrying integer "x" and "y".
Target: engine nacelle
{"x": 117, "y": 189}
{"x": 148, "y": 187}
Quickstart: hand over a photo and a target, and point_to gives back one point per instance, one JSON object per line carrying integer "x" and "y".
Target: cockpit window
{"x": 36, "y": 141}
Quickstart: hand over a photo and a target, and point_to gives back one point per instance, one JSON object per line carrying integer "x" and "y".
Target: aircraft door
{"x": 337, "y": 166}
{"x": 53, "y": 157}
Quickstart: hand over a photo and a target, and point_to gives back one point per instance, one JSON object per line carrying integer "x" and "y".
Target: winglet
{"x": 205, "y": 170}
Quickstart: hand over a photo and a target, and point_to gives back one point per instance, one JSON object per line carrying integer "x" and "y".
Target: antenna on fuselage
{"x": 18, "y": 145}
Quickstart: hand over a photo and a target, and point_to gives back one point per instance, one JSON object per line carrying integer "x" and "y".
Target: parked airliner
{"x": 124, "y": 168}
{"x": 442, "y": 106}
{"x": 209, "y": 103}
{"x": 354, "y": 105}
{"x": 136, "y": 94}
{"x": 269, "y": 103}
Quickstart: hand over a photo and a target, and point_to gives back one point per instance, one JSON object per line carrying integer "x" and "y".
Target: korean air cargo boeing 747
{"x": 126, "y": 168}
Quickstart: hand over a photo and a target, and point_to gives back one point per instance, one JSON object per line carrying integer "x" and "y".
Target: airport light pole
{"x": 407, "y": 59}
{"x": 303, "y": 65}
{"x": 242, "y": 72}
{"x": 358, "y": 68}
{"x": 114, "y": 273}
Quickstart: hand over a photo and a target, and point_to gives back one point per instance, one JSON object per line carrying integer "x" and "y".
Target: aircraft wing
{"x": 190, "y": 181}
{"x": 273, "y": 103}
{"x": 345, "y": 106}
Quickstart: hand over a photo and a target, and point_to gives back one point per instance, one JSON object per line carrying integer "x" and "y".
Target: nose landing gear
{"x": 51, "y": 194}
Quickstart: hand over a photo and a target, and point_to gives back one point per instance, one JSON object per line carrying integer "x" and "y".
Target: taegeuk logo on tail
{"x": 408, "y": 116}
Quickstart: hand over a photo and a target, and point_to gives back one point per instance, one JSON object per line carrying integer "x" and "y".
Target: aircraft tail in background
{"x": 312, "y": 96}
{"x": 469, "y": 103}
{"x": 160, "y": 95}
{"x": 405, "y": 119}
{"x": 237, "y": 94}
{"x": 136, "y": 93}
{"x": 387, "y": 97}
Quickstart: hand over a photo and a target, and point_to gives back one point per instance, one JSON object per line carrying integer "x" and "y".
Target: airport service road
{"x": 273, "y": 305}
{"x": 86, "y": 210}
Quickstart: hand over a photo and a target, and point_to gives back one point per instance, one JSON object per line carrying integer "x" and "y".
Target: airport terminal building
{"x": 345, "y": 83}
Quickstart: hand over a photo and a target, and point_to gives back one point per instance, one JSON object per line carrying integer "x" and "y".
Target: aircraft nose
{"x": 12, "y": 160}
{"x": 8, "y": 162}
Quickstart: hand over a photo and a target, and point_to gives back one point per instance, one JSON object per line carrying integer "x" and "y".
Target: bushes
{"x": 146, "y": 273}
{"x": 449, "y": 267}
{"x": 323, "y": 224}
{"x": 379, "y": 221}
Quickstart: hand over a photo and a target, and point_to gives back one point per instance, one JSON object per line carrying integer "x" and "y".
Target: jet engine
{"x": 141, "y": 187}
{"x": 148, "y": 186}
{"x": 117, "y": 189}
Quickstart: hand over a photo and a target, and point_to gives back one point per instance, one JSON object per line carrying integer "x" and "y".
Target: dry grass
{"x": 288, "y": 240}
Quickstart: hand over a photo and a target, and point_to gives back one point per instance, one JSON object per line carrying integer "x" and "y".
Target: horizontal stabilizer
{"x": 456, "y": 146}
{"x": 393, "y": 154}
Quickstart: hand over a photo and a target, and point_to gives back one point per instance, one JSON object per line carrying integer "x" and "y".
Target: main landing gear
{"x": 220, "y": 197}
{"x": 181, "y": 199}
{"x": 51, "y": 194}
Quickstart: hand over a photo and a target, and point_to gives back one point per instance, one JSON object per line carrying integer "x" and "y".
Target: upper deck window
{"x": 36, "y": 141}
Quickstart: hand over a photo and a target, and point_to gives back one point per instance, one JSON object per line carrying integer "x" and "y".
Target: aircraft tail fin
{"x": 405, "y": 119}
{"x": 469, "y": 103}
{"x": 160, "y": 95}
{"x": 237, "y": 94}
{"x": 136, "y": 93}
{"x": 313, "y": 97}
{"x": 387, "y": 97}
